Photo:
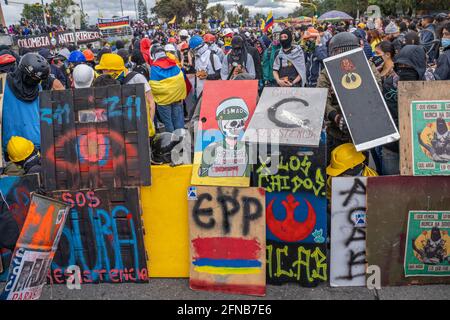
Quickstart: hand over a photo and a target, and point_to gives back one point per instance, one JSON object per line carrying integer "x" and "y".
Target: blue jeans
{"x": 172, "y": 116}
{"x": 390, "y": 162}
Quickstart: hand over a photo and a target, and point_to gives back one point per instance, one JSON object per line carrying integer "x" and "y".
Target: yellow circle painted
{"x": 349, "y": 83}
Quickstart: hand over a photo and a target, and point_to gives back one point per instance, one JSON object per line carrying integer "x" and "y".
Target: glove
{"x": 342, "y": 125}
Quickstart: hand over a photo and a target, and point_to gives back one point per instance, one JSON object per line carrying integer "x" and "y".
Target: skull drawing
{"x": 231, "y": 116}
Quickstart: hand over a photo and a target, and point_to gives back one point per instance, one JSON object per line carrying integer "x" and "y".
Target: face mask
{"x": 286, "y": 44}
{"x": 445, "y": 43}
{"x": 407, "y": 74}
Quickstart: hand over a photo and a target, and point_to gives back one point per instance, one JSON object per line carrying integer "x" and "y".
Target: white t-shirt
{"x": 139, "y": 78}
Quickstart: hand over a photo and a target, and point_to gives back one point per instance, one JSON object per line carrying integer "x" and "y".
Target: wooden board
{"x": 103, "y": 236}
{"x": 227, "y": 240}
{"x": 2, "y": 92}
{"x": 409, "y": 91}
{"x": 220, "y": 155}
{"x": 17, "y": 195}
{"x": 362, "y": 104}
{"x": 35, "y": 248}
{"x": 389, "y": 200}
{"x": 348, "y": 232}
{"x": 296, "y": 211}
{"x": 166, "y": 221}
{"x": 95, "y": 138}
{"x": 288, "y": 116}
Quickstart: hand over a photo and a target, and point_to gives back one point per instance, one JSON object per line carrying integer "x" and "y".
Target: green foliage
{"x": 142, "y": 10}
{"x": 217, "y": 12}
{"x": 194, "y": 9}
{"x": 33, "y": 12}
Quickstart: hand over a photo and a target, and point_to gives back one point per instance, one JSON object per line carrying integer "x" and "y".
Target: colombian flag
{"x": 226, "y": 256}
{"x": 269, "y": 22}
{"x": 167, "y": 82}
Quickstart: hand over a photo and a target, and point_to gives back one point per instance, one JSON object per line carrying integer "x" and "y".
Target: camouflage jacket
{"x": 333, "y": 108}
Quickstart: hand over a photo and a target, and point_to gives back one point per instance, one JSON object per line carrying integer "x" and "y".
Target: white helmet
{"x": 170, "y": 48}
{"x": 83, "y": 76}
{"x": 227, "y": 31}
{"x": 184, "y": 33}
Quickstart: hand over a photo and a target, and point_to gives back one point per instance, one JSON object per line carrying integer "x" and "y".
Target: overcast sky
{"x": 110, "y": 8}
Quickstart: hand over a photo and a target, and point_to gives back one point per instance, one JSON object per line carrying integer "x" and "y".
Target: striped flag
{"x": 269, "y": 22}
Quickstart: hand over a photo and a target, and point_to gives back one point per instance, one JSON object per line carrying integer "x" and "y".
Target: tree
{"x": 197, "y": 8}
{"x": 33, "y": 13}
{"x": 243, "y": 12}
{"x": 216, "y": 12}
{"x": 58, "y": 11}
{"x": 167, "y": 9}
{"x": 142, "y": 10}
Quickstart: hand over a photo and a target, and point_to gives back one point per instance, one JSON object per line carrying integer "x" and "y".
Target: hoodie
{"x": 415, "y": 57}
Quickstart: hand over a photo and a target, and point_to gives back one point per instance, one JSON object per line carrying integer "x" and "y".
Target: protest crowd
{"x": 174, "y": 66}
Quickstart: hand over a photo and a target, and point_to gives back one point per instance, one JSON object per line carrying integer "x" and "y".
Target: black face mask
{"x": 24, "y": 87}
{"x": 407, "y": 74}
{"x": 285, "y": 44}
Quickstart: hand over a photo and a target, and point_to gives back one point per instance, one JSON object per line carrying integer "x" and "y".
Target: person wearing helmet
{"x": 238, "y": 60}
{"x": 210, "y": 40}
{"x": 76, "y": 57}
{"x": 83, "y": 76}
{"x": 7, "y": 63}
{"x": 173, "y": 53}
{"x": 228, "y": 157}
{"x": 24, "y": 155}
{"x": 289, "y": 68}
{"x": 90, "y": 57}
{"x": 315, "y": 52}
{"x": 114, "y": 65}
{"x": 21, "y": 114}
{"x": 184, "y": 39}
{"x": 269, "y": 56}
{"x": 337, "y": 130}
{"x": 52, "y": 82}
{"x": 227, "y": 37}
{"x": 207, "y": 63}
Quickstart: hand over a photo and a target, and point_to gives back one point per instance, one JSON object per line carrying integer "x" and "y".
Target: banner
{"x": 430, "y": 123}
{"x": 113, "y": 23}
{"x": 428, "y": 244}
{"x": 364, "y": 109}
{"x": 57, "y": 39}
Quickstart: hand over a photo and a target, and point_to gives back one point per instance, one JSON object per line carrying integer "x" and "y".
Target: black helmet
{"x": 34, "y": 66}
{"x": 343, "y": 42}
{"x": 162, "y": 146}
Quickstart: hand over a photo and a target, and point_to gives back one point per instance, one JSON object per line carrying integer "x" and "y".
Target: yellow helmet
{"x": 111, "y": 61}
{"x": 19, "y": 149}
{"x": 343, "y": 158}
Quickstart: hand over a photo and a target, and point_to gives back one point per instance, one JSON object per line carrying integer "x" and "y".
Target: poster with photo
{"x": 428, "y": 244}
{"x": 430, "y": 123}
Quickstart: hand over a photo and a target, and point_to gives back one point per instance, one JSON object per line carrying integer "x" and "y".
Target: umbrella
{"x": 335, "y": 15}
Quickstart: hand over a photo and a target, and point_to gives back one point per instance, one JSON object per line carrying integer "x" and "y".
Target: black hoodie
{"x": 415, "y": 57}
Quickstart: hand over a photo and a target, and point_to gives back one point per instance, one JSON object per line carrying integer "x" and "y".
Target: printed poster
{"x": 428, "y": 244}
{"x": 430, "y": 123}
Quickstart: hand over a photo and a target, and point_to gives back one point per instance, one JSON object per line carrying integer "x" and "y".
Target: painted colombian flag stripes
{"x": 222, "y": 255}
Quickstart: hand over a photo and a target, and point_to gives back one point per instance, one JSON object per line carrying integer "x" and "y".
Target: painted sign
{"x": 348, "y": 232}
{"x": 296, "y": 218}
{"x": 430, "y": 123}
{"x": 221, "y": 156}
{"x": 103, "y": 236}
{"x": 95, "y": 138}
{"x": 428, "y": 244}
{"x": 35, "y": 248}
{"x": 227, "y": 240}
{"x": 360, "y": 99}
{"x": 288, "y": 116}
{"x": 16, "y": 192}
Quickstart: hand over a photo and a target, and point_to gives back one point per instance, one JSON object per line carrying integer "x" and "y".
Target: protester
{"x": 443, "y": 65}
{"x": 270, "y": 55}
{"x": 237, "y": 61}
{"x": 83, "y": 76}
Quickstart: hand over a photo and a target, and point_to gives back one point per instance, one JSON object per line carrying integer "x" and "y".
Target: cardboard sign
{"x": 95, "y": 138}
{"x": 16, "y": 200}
{"x": 227, "y": 240}
{"x": 288, "y": 116}
{"x": 430, "y": 123}
{"x": 428, "y": 244}
{"x": 364, "y": 109}
{"x": 424, "y": 150}
{"x": 35, "y": 248}
{"x": 389, "y": 201}
{"x": 296, "y": 206}
{"x": 221, "y": 156}
{"x": 103, "y": 237}
{"x": 2, "y": 92}
{"x": 348, "y": 232}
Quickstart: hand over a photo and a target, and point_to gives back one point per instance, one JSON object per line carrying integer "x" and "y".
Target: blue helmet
{"x": 195, "y": 42}
{"x": 77, "y": 57}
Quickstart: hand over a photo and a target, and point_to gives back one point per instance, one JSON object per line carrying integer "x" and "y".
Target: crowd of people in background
{"x": 174, "y": 64}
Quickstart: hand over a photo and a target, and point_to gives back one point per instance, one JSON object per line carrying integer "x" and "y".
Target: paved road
{"x": 168, "y": 289}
